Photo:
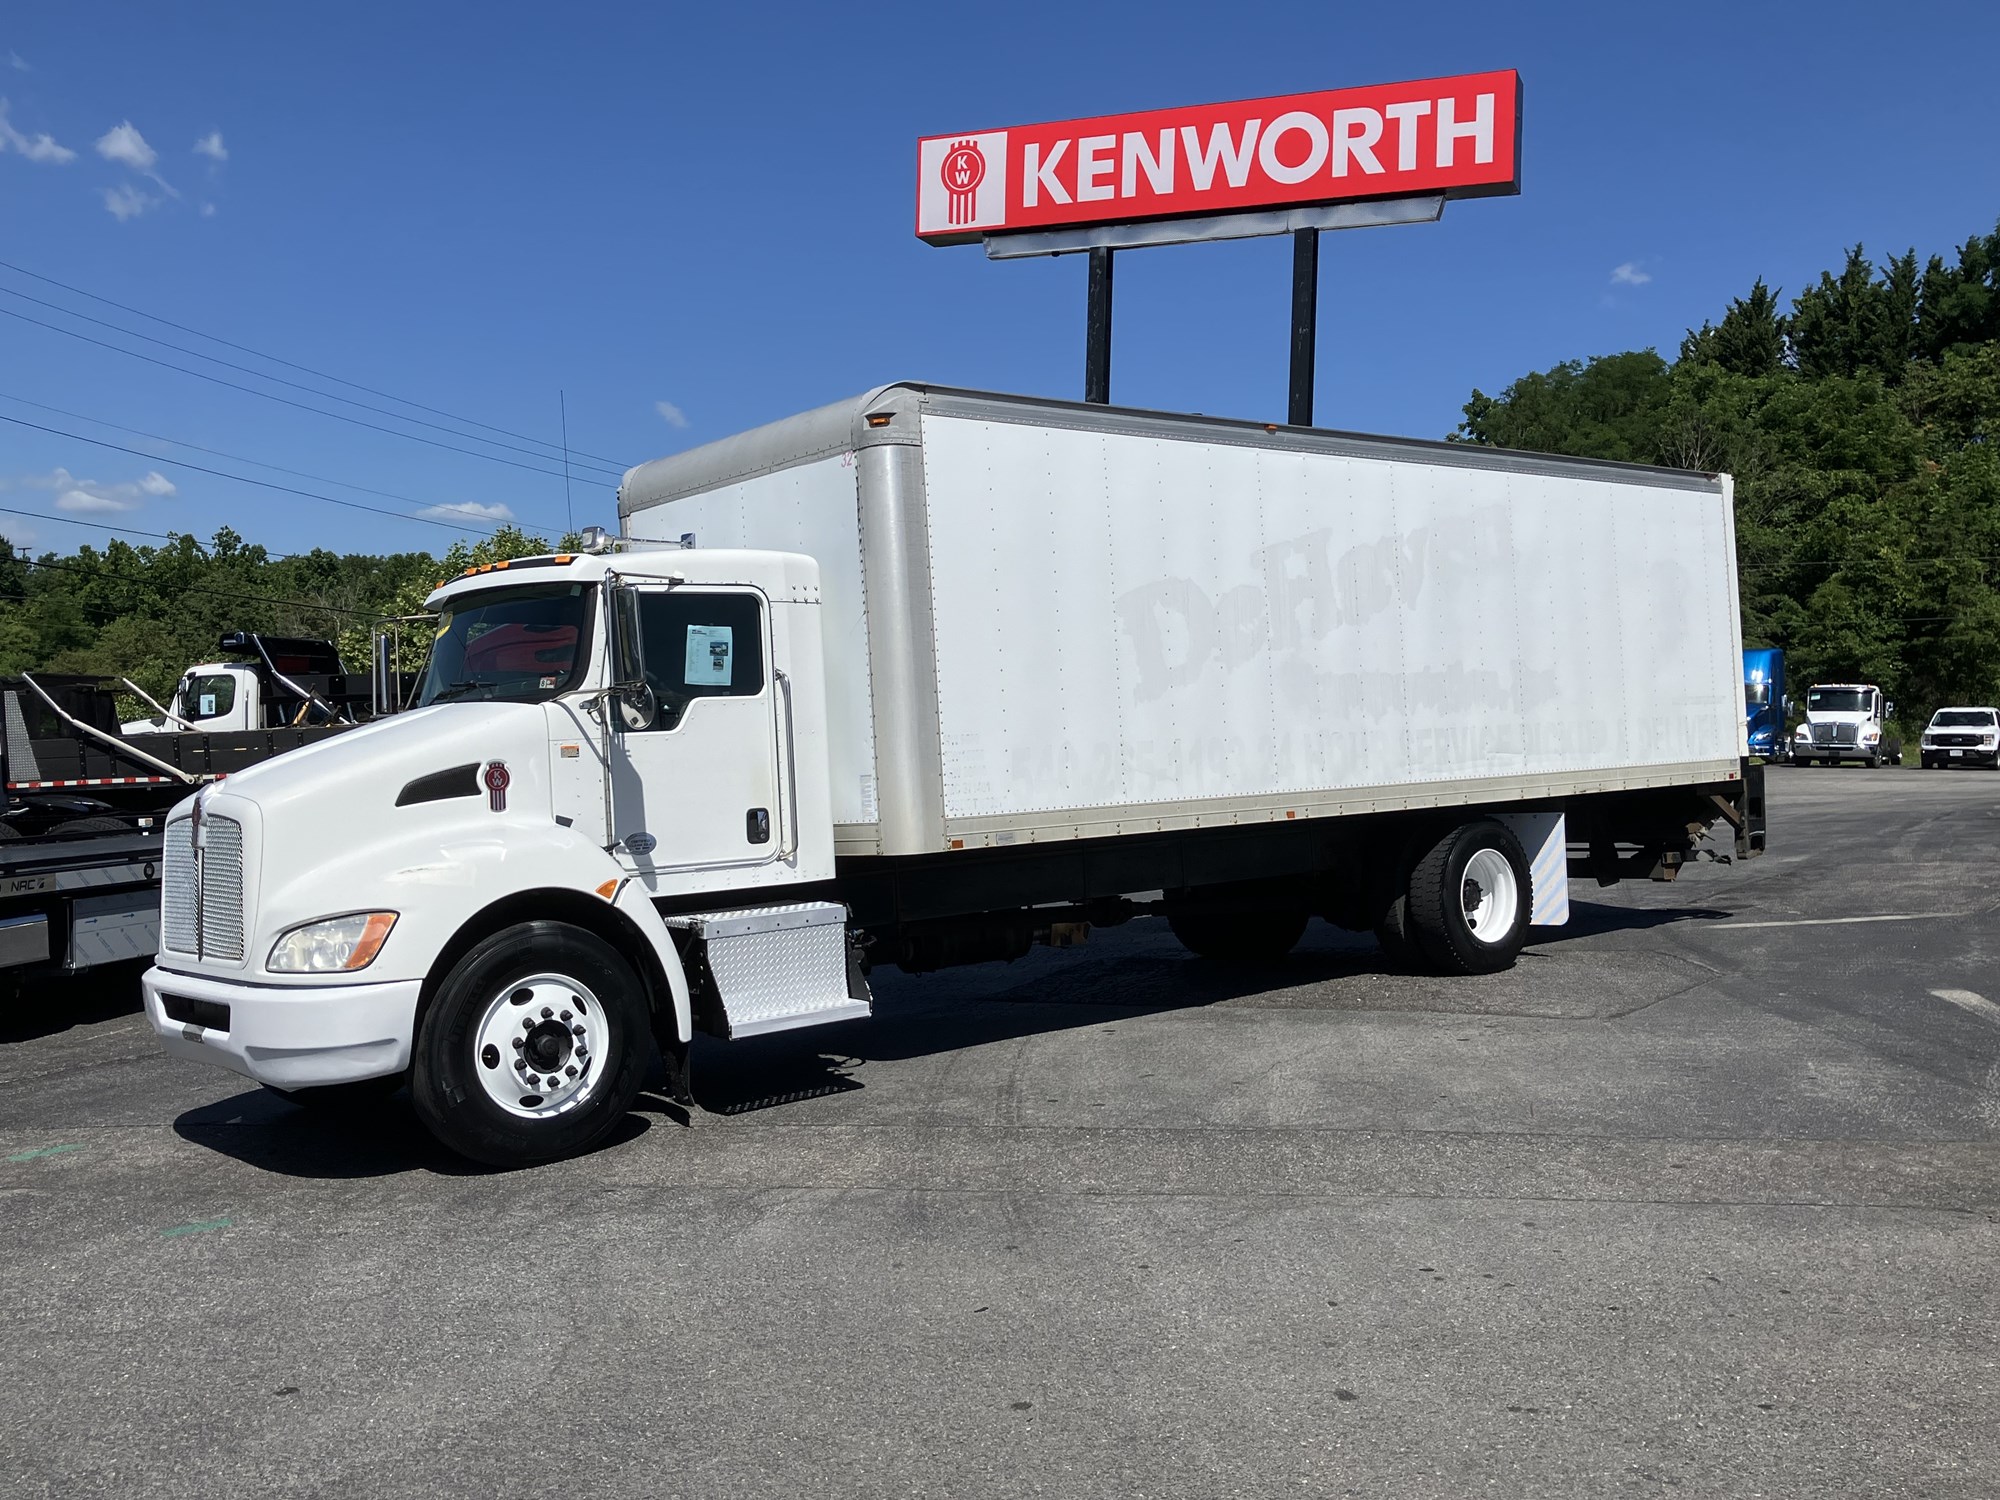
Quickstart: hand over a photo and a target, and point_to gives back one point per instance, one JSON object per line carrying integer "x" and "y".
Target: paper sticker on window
{"x": 207, "y": 710}
{"x": 708, "y": 655}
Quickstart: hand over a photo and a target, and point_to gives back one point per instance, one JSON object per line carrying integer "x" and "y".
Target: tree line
{"x": 149, "y": 612}
{"x": 1862, "y": 424}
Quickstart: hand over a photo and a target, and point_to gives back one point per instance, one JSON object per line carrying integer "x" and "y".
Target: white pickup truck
{"x": 1961, "y": 737}
{"x": 950, "y": 674}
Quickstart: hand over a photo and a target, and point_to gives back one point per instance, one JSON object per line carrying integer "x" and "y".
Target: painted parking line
{"x": 1970, "y": 1000}
{"x": 1913, "y": 916}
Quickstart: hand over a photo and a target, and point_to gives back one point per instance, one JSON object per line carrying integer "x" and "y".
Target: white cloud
{"x": 670, "y": 413}
{"x": 17, "y": 62}
{"x": 208, "y": 210}
{"x": 89, "y": 502}
{"x": 124, "y": 144}
{"x": 127, "y": 202}
{"x": 467, "y": 510}
{"x": 211, "y": 146}
{"x": 1629, "y": 274}
{"x": 41, "y": 147}
{"x": 88, "y": 497}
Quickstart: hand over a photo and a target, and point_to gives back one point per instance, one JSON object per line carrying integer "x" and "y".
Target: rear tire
{"x": 466, "y": 1079}
{"x": 1238, "y": 936}
{"x": 1470, "y": 899}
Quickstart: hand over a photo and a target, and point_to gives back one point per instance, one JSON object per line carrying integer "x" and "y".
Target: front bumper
{"x": 289, "y": 1038}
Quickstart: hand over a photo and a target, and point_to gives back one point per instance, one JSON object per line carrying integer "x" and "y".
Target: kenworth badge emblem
{"x": 497, "y": 781}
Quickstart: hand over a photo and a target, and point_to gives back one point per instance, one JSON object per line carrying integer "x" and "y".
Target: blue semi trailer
{"x": 1765, "y": 704}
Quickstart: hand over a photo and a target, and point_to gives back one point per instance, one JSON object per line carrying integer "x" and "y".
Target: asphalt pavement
{"x": 1698, "y": 1200}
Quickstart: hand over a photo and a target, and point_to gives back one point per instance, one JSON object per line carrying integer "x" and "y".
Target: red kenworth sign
{"x": 1455, "y": 136}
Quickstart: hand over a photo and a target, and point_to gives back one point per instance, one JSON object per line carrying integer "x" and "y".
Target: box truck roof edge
{"x": 845, "y": 426}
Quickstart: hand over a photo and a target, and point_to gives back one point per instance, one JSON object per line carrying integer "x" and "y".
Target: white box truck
{"x": 927, "y": 676}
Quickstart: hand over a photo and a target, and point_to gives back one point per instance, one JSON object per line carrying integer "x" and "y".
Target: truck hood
{"x": 1856, "y": 717}
{"x": 367, "y": 769}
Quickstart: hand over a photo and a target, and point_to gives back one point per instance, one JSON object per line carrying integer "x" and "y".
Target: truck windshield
{"x": 1756, "y": 694}
{"x": 518, "y": 644}
{"x": 1839, "y": 700}
{"x": 1963, "y": 718}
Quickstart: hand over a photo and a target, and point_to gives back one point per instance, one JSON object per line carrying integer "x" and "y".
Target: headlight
{"x": 1805, "y": 732}
{"x": 1870, "y": 734}
{"x": 331, "y": 944}
{"x": 1926, "y": 742}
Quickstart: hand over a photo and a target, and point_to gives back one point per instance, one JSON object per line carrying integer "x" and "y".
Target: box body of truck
{"x": 1048, "y": 622}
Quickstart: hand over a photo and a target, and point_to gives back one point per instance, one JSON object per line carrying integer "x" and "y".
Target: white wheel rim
{"x": 540, "y": 1048}
{"x": 1489, "y": 895}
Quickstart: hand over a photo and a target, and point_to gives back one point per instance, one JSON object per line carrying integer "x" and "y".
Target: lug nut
{"x": 571, "y": 1070}
{"x": 519, "y": 1044}
{"x": 576, "y": 1030}
{"x": 565, "y": 1015}
{"x": 547, "y": 1014}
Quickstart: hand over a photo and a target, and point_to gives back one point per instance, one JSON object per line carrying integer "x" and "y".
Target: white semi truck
{"x": 923, "y": 677}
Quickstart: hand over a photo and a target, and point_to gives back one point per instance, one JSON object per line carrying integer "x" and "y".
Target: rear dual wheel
{"x": 1466, "y": 906}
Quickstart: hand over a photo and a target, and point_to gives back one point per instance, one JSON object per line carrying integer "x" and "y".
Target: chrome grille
{"x": 179, "y": 909}
{"x": 222, "y": 888}
{"x": 1836, "y": 734}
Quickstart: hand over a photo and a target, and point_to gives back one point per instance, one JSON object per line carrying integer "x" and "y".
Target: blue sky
{"x": 477, "y": 206}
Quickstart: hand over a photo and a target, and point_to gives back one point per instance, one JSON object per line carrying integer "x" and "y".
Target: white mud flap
{"x": 770, "y": 968}
{"x": 1544, "y": 839}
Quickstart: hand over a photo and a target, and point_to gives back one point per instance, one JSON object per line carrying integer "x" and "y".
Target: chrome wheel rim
{"x": 539, "y": 1049}
{"x": 1489, "y": 895}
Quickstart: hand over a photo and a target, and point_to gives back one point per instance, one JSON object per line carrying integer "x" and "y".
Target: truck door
{"x": 694, "y": 771}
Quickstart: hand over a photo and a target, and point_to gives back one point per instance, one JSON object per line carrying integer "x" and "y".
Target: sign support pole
{"x": 1305, "y": 324}
{"x": 1097, "y": 329}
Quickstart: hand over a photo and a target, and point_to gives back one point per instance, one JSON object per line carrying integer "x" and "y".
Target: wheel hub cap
{"x": 539, "y": 1045}
{"x": 1489, "y": 895}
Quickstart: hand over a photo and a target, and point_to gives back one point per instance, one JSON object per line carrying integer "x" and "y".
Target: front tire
{"x": 533, "y": 1048}
{"x": 1470, "y": 899}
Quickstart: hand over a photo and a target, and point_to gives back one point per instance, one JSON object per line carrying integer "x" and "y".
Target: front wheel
{"x": 533, "y": 1048}
{"x": 1470, "y": 899}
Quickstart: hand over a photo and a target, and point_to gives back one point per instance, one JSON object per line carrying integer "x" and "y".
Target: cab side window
{"x": 208, "y": 697}
{"x": 701, "y": 645}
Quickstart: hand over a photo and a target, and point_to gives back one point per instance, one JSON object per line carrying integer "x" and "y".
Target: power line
{"x": 288, "y": 364}
{"x": 215, "y": 452}
{"x": 277, "y": 379}
{"x": 35, "y": 515}
{"x": 283, "y": 489}
{"x": 281, "y": 400}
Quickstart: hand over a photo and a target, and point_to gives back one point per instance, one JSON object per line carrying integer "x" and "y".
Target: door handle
{"x": 788, "y": 842}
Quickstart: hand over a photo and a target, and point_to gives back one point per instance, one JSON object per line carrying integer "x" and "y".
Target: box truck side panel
{"x": 1126, "y": 621}
{"x": 807, "y": 508}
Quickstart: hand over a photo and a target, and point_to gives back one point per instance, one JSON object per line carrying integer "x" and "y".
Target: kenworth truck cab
{"x": 1847, "y": 721}
{"x": 595, "y": 734}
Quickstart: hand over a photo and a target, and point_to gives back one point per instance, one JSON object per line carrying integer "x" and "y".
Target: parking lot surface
{"x": 1698, "y": 1200}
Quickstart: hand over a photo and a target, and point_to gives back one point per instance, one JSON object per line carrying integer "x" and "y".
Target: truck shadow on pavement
{"x": 1130, "y": 975}
{"x": 266, "y": 1131}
